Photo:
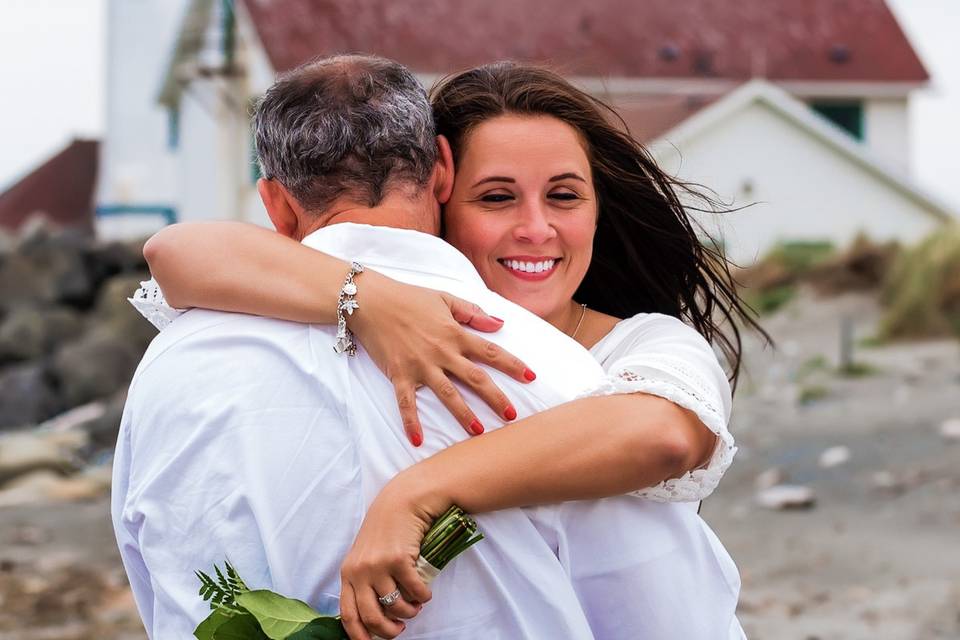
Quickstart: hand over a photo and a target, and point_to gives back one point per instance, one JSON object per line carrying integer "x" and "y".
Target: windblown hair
{"x": 352, "y": 125}
{"x": 647, "y": 256}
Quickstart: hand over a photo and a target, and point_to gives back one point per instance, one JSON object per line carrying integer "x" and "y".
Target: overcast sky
{"x": 52, "y": 79}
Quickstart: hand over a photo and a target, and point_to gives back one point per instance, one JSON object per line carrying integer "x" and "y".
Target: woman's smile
{"x": 532, "y": 268}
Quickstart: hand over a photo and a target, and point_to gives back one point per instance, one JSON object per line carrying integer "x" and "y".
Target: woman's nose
{"x": 533, "y": 224}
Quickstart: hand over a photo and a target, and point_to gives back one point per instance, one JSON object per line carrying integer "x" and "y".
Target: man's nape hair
{"x": 354, "y": 126}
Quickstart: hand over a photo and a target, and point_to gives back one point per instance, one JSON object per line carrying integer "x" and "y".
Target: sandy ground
{"x": 878, "y": 556}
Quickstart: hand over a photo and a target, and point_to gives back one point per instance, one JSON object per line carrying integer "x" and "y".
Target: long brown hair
{"x": 647, "y": 256}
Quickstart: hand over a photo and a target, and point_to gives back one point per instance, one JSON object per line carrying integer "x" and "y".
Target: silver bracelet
{"x": 346, "y": 302}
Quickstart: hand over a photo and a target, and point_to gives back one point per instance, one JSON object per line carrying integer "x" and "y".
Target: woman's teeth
{"x": 529, "y": 267}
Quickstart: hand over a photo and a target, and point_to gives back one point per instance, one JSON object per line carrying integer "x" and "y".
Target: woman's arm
{"x": 589, "y": 448}
{"x": 413, "y": 334}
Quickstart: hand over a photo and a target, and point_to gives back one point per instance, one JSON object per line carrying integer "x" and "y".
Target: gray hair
{"x": 352, "y": 125}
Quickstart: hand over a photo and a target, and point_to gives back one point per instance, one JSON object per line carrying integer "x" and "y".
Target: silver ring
{"x": 390, "y": 598}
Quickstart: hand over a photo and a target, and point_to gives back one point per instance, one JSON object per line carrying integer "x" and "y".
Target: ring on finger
{"x": 389, "y": 599}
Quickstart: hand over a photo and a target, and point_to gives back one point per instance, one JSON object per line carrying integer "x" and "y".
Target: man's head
{"x": 347, "y": 133}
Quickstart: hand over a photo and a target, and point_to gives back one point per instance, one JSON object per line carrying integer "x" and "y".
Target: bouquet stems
{"x": 241, "y": 614}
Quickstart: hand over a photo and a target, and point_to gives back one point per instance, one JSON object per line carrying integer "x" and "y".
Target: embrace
{"x": 491, "y": 298}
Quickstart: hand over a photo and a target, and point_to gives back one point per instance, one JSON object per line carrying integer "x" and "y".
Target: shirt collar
{"x": 388, "y": 247}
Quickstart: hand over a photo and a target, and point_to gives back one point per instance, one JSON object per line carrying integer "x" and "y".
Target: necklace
{"x": 583, "y": 312}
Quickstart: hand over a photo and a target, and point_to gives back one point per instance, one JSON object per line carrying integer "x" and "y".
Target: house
{"x": 677, "y": 70}
{"x": 61, "y": 190}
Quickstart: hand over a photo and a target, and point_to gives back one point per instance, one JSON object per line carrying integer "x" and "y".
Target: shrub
{"x": 922, "y": 291}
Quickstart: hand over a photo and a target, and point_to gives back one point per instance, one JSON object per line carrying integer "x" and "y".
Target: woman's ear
{"x": 277, "y": 201}
{"x": 443, "y": 183}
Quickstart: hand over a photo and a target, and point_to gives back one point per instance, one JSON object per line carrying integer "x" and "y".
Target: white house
{"x": 804, "y": 177}
{"x": 821, "y": 140}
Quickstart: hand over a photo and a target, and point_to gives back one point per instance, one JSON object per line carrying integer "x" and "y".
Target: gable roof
{"x": 827, "y": 40}
{"x": 61, "y": 188}
{"x": 775, "y": 98}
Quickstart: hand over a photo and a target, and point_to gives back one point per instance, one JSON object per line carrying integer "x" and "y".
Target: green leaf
{"x": 323, "y": 628}
{"x": 240, "y": 627}
{"x": 278, "y": 616}
{"x": 210, "y": 624}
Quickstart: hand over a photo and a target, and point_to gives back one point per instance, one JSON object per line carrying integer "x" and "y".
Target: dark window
{"x": 254, "y": 164}
{"x": 229, "y": 31}
{"x": 846, "y": 115}
{"x": 173, "y": 128}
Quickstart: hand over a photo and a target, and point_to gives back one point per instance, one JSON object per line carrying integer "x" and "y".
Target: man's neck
{"x": 397, "y": 211}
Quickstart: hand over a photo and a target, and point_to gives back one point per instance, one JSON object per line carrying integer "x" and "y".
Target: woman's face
{"x": 524, "y": 210}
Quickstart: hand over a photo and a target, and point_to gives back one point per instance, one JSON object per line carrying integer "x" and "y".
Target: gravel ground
{"x": 875, "y": 557}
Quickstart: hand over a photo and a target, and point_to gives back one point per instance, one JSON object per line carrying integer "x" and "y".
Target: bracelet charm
{"x": 346, "y": 304}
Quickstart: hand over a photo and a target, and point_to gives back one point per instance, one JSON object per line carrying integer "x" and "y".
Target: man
{"x": 250, "y": 438}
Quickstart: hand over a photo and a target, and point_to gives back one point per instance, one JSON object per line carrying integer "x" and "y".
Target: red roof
{"x": 61, "y": 188}
{"x": 825, "y": 40}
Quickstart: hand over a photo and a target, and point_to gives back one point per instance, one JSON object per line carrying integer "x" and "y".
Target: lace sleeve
{"x": 671, "y": 360}
{"x": 151, "y": 304}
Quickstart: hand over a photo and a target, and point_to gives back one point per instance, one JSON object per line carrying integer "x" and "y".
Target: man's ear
{"x": 443, "y": 186}
{"x": 281, "y": 207}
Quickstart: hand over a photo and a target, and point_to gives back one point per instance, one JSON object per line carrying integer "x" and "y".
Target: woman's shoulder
{"x": 649, "y": 326}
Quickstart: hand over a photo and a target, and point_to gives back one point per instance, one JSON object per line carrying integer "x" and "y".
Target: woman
{"x": 567, "y": 216}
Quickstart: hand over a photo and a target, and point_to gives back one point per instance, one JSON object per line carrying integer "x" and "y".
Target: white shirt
{"x": 249, "y": 438}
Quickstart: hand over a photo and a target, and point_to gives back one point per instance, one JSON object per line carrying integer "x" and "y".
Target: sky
{"x": 53, "y": 51}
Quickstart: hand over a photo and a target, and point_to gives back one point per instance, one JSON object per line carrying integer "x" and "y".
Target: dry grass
{"x": 922, "y": 291}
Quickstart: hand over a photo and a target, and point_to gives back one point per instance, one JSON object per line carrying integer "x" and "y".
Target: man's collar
{"x": 393, "y": 248}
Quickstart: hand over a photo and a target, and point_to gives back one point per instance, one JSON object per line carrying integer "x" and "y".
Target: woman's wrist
{"x": 422, "y": 492}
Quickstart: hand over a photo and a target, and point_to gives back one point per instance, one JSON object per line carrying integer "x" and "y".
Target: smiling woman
{"x": 524, "y": 211}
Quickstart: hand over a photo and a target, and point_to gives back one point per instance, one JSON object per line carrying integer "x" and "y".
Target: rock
{"x": 115, "y": 313}
{"x": 887, "y": 482}
{"x": 45, "y": 487}
{"x": 950, "y": 429}
{"x": 31, "y": 488}
{"x": 786, "y": 496}
{"x": 769, "y": 478}
{"x": 95, "y": 366}
{"x": 103, "y": 429}
{"x": 834, "y": 457}
{"x": 47, "y": 267}
{"x": 113, "y": 258}
{"x": 27, "y": 396}
{"x": 74, "y": 419}
{"x": 28, "y": 451}
{"x": 31, "y": 332}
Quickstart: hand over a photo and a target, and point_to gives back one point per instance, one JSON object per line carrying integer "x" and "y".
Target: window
{"x": 229, "y": 30}
{"x": 173, "y": 128}
{"x": 846, "y": 115}
{"x": 255, "y": 173}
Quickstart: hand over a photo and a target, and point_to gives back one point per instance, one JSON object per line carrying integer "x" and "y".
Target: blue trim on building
{"x": 168, "y": 213}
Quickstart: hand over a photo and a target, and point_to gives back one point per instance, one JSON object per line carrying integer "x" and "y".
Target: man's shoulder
{"x": 237, "y": 340}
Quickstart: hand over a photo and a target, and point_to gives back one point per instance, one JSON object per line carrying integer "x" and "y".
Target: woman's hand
{"x": 383, "y": 559}
{"x": 415, "y": 337}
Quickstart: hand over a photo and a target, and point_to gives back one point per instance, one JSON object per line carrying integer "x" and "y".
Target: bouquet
{"x": 239, "y": 613}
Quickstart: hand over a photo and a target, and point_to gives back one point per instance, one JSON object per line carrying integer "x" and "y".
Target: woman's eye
{"x": 564, "y": 195}
{"x": 496, "y": 197}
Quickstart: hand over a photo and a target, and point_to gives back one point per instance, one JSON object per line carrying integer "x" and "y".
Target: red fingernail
{"x": 500, "y": 320}
{"x": 510, "y": 413}
{"x": 476, "y": 427}
{"x": 529, "y": 375}
{"x": 416, "y": 439}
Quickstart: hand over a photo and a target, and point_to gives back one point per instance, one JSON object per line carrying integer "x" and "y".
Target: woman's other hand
{"x": 383, "y": 559}
{"x": 415, "y": 337}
